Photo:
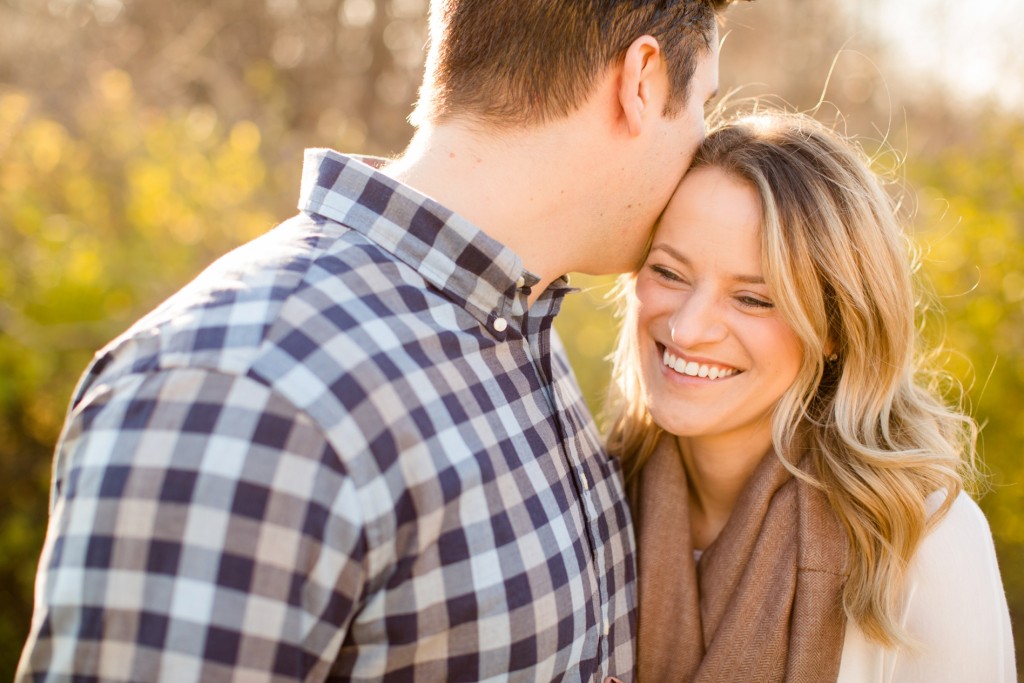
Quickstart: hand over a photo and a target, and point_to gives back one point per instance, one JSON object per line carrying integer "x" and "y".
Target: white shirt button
{"x": 607, "y": 627}
{"x": 586, "y": 483}
{"x": 521, "y": 282}
{"x": 500, "y": 324}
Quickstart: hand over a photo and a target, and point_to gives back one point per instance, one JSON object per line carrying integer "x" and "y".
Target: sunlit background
{"x": 140, "y": 140}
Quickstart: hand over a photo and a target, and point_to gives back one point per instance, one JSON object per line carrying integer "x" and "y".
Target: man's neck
{"x": 528, "y": 189}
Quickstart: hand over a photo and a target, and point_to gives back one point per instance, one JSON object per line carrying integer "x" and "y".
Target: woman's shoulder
{"x": 956, "y": 545}
{"x": 955, "y": 604}
{"x": 954, "y": 609}
{"x": 957, "y": 551}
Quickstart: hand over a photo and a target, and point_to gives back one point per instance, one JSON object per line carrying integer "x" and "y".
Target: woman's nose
{"x": 696, "y": 321}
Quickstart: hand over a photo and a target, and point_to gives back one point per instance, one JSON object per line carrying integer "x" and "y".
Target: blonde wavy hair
{"x": 839, "y": 266}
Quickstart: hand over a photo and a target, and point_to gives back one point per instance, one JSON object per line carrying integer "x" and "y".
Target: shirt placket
{"x": 583, "y": 479}
{"x": 581, "y": 461}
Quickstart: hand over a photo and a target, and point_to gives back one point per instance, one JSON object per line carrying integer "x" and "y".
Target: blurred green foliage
{"x": 100, "y": 224}
{"x": 971, "y": 229}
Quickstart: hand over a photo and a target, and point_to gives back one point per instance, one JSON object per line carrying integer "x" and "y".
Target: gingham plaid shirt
{"x": 346, "y": 451}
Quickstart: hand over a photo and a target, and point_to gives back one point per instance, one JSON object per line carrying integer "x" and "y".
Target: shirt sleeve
{"x": 956, "y": 606}
{"x": 203, "y": 529}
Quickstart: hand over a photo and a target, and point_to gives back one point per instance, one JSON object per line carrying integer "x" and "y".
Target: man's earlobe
{"x": 640, "y": 65}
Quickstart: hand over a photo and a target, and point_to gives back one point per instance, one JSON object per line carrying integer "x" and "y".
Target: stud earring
{"x": 832, "y": 358}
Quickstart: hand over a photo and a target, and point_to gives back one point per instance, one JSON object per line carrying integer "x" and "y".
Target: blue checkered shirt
{"x": 346, "y": 451}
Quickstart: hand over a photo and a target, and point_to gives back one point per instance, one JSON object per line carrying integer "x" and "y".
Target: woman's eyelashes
{"x": 668, "y": 274}
{"x": 755, "y": 302}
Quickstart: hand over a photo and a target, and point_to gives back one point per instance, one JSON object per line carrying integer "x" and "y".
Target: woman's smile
{"x": 693, "y": 367}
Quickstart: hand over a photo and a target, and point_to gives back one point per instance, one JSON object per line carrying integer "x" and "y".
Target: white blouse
{"x": 954, "y": 606}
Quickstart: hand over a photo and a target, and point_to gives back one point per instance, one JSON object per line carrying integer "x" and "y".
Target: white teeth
{"x": 694, "y": 369}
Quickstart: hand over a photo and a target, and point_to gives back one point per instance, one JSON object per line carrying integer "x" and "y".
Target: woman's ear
{"x": 642, "y": 77}
{"x": 831, "y": 355}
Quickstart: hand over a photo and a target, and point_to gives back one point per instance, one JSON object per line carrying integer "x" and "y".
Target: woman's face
{"x": 715, "y": 354}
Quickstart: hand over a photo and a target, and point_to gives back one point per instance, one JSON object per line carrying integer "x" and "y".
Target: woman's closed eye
{"x": 755, "y": 302}
{"x": 664, "y": 273}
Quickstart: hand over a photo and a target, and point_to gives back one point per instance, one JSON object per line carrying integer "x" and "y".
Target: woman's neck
{"x": 716, "y": 475}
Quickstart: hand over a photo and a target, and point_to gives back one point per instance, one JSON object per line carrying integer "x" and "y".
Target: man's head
{"x": 511, "y": 63}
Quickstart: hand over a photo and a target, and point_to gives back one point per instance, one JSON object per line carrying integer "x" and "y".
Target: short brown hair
{"x": 518, "y": 62}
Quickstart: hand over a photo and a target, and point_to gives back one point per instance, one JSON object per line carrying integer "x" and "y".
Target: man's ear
{"x": 638, "y": 89}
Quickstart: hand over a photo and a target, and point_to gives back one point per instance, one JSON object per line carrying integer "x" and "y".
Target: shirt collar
{"x": 447, "y": 250}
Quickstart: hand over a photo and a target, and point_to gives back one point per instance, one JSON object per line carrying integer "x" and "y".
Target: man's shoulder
{"x": 280, "y": 297}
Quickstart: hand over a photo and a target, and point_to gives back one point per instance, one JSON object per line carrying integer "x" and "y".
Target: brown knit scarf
{"x": 765, "y": 601}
